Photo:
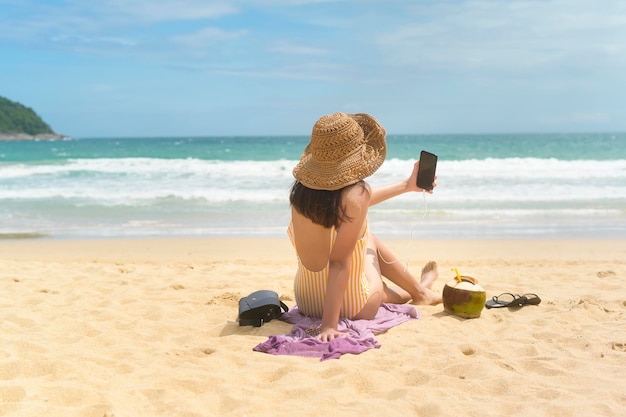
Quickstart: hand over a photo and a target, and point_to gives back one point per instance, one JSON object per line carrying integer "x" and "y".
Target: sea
{"x": 489, "y": 186}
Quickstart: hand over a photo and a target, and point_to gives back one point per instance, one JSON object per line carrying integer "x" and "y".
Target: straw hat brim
{"x": 348, "y": 169}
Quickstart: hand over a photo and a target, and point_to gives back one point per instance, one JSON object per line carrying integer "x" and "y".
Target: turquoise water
{"x": 489, "y": 186}
{"x": 599, "y": 147}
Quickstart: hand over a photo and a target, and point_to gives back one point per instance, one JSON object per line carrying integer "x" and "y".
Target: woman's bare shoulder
{"x": 357, "y": 195}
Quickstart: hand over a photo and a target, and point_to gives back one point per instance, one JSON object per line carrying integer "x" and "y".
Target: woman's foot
{"x": 429, "y": 274}
{"x": 427, "y": 296}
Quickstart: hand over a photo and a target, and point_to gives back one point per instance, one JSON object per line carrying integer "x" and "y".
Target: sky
{"x": 114, "y": 68}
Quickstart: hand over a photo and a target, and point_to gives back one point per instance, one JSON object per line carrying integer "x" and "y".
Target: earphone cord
{"x": 406, "y": 264}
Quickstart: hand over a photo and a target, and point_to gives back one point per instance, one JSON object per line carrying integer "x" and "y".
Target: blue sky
{"x": 196, "y": 67}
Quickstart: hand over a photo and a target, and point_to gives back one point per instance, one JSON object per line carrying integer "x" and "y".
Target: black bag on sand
{"x": 260, "y": 307}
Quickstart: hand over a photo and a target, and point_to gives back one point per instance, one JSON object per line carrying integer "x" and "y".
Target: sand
{"x": 148, "y": 328}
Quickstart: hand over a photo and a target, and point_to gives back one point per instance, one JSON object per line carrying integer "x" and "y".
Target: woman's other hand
{"x": 328, "y": 334}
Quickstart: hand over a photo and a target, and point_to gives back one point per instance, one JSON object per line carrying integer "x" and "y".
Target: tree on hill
{"x": 16, "y": 118}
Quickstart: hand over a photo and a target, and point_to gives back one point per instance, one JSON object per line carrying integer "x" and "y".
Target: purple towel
{"x": 359, "y": 333}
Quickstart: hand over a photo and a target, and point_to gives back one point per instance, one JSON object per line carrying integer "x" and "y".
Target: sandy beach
{"x": 148, "y": 328}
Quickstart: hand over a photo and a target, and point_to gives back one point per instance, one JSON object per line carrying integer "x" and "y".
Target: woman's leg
{"x": 380, "y": 261}
{"x": 377, "y": 287}
{"x": 411, "y": 289}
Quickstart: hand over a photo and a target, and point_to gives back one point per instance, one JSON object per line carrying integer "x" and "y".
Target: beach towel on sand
{"x": 359, "y": 333}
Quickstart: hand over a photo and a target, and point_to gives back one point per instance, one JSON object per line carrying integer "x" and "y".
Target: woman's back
{"x": 312, "y": 241}
{"x": 316, "y": 244}
{"x": 321, "y": 249}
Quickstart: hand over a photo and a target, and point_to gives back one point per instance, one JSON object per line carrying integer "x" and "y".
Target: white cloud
{"x": 206, "y": 37}
{"x": 154, "y": 11}
{"x": 93, "y": 41}
{"x": 591, "y": 118}
{"x": 289, "y": 3}
{"x": 104, "y": 19}
{"x": 589, "y": 121}
{"x": 290, "y": 48}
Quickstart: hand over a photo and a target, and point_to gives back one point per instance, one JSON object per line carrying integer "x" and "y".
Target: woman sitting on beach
{"x": 340, "y": 263}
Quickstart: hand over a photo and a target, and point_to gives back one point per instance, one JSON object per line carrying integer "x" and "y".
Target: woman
{"x": 340, "y": 263}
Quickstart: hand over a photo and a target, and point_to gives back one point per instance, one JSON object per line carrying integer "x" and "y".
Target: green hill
{"x": 19, "y": 120}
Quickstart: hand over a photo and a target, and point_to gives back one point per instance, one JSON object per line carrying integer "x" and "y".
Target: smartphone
{"x": 426, "y": 172}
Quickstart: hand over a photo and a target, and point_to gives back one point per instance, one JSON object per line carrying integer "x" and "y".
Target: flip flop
{"x": 506, "y": 299}
{"x": 511, "y": 300}
{"x": 532, "y": 299}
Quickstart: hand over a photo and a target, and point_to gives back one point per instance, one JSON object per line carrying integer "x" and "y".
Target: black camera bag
{"x": 260, "y": 307}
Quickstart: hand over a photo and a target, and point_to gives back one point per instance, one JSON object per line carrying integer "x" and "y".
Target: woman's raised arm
{"x": 385, "y": 192}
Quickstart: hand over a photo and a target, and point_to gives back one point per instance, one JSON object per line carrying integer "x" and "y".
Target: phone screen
{"x": 426, "y": 173}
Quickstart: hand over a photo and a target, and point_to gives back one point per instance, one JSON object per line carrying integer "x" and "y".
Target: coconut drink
{"x": 463, "y": 297}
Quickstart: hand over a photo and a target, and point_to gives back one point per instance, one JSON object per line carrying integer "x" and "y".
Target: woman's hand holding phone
{"x": 426, "y": 168}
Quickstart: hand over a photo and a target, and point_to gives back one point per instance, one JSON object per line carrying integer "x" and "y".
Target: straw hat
{"x": 344, "y": 149}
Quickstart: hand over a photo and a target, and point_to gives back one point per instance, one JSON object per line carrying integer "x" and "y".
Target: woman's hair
{"x": 321, "y": 206}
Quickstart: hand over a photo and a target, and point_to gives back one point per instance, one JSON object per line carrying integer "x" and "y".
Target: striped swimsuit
{"x": 310, "y": 286}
